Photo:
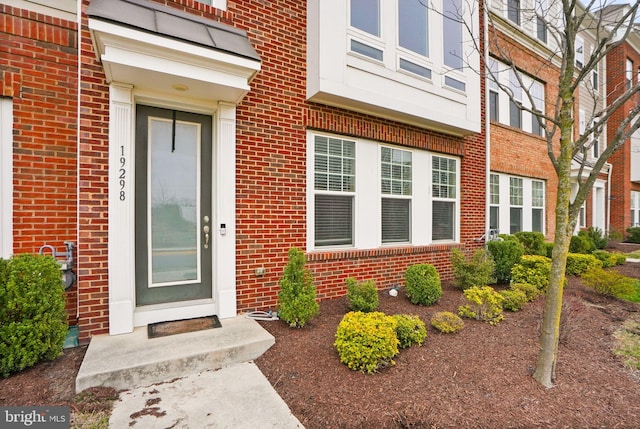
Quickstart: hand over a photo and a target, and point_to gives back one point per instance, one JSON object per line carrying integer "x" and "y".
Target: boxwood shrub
{"x": 33, "y": 319}
{"x": 506, "y": 254}
{"x": 422, "y": 284}
{"x": 578, "y": 263}
{"x": 532, "y": 269}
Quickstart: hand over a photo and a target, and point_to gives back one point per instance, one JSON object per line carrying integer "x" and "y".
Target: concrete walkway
{"x": 201, "y": 379}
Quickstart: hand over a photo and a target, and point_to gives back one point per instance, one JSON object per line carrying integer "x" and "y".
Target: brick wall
{"x": 39, "y": 72}
{"x": 271, "y": 169}
{"x": 621, "y": 185}
{"x": 517, "y": 152}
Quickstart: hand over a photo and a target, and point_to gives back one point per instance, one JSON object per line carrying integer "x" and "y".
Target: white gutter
{"x": 608, "y": 219}
{"x": 487, "y": 119}
{"x": 79, "y": 88}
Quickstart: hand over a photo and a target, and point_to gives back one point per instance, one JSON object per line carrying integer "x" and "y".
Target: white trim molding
{"x": 6, "y": 177}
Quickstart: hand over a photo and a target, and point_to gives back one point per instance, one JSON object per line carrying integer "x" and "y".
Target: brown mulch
{"x": 477, "y": 378}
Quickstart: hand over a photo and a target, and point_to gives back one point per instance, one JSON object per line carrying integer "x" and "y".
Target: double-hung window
{"x": 365, "y": 16}
{"x": 335, "y": 186}
{"x": 541, "y": 12}
{"x": 513, "y": 11}
{"x": 537, "y": 206}
{"x": 579, "y": 52}
{"x": 537, "y": 95}
{"x": 635, "y": 208}
{"x": 494, "y": 95}
{"x": 444, "y": 190}
{"x": 396, "y": 189}
{"x": 494, "y": 202}
{"x": 629, "y": 73}
{"x": 515, "y": 112}
{"x": 516, "y": 201}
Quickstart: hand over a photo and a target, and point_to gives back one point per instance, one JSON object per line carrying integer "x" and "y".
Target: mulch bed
{"x": 480, "y": 377}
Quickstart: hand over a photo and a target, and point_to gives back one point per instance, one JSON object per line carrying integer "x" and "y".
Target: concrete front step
{"x": 133, "y": 360}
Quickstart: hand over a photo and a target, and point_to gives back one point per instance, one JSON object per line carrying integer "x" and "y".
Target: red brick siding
{"x": 517, "y": 152}
{"x": 271, "y": 169}
{"x": 621, "y": 184}
{"x": 38, "y": 70}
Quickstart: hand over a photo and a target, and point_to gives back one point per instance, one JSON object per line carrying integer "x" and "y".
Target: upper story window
{"x": 629, "y": 73}
{"x": 541, "y": 12}
{"x": 380, "y": 56}
{"x": 513, "y": 11}
{"x": 579, "y": 52}
{"x": 508, "y": 102}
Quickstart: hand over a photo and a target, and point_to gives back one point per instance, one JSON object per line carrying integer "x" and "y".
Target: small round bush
{"x": 633, "y": 234}
{"x": 362, "y": 296}
{"x": 581, "y": 244}
{"x": 485, "y": 304}
{"x": 447, "y": 322}
{"x": 514, "y": 299}
{"x": 367, "y": 341}
{"x": 533, "y": 242}
{"x": 422, "y": 284}
{"x": 474, "y": 271}
{"x": 534, "y": 270}
{"x": 578, "y": 263}
{"x": 33, "y": 319}
{"x": 506, "y": 254}
{"x": 409, "y": 330}
{"x": 529, "y": 290}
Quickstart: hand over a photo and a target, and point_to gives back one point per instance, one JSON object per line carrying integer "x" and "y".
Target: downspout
{"x": 487, "y": 120}
{"x": 79, "y": 88}
{"x": 608, "y": 220}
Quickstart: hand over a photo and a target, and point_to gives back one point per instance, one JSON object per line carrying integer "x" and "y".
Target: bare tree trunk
{"x": 550, "y": 332}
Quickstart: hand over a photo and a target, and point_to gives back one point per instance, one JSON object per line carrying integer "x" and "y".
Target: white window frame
{"x": 512, "y": 204}
{"x": 628, "y": 73}
{"x": 635, "y": 208}
{"x": 538, "y": 206}
{"x": 454, "y": 200}
{"x": 367, "y": 207}
{"x": 494, "y": 198}
{"x": 6, "y": 177}
{"x": 579, "y": 49}
{"x": 405, "y": 194}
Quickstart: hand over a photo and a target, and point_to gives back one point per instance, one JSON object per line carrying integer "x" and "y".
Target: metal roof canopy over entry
{"x": 158, "y": 48}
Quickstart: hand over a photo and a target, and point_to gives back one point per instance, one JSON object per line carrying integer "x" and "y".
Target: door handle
{"x": 205, "y": 229}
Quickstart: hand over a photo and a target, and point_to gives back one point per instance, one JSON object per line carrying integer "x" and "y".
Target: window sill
{"x": 337, "y": 254}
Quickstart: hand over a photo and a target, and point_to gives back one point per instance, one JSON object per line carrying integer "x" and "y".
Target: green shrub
{"x": 362, "y": 296}
{"x": 609, "y": 283}
{"x": 447, "y": 322}
{"x": 422, "y": 284}
{"x": 633, "y": 234}
{"x": 514, "y": 299}
{"x": 615, "y": 235}
{"x": 621, "y": 258}
{"x": 484, "y": 304}
{"x": 581, "y": 243}
{"x": 534, "y": 270}
{"x": 598, "y": 238}
{"x": 533, "y": 242}
{"x": 475, "y": 271}
{"x": 549, "y": 249}
{"x": 297, "y": 293}
{"x": 409, "y": 330}
{"x": 506, "y": 254}
{"x": 34, "y": 321}
{"x": 367, "y": 341}
{"x": 529, "y": 290}
{"x": 578, "y": 263}
{"x": 607, "y": 259}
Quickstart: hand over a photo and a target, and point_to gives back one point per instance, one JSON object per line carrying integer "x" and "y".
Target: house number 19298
{"x": 122, "y": 176}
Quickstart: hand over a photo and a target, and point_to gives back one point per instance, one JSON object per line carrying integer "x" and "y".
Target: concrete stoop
{"x": 133, "y": 360}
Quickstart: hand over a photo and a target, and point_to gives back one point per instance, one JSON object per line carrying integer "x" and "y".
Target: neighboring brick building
{"x": 202, "y": 142}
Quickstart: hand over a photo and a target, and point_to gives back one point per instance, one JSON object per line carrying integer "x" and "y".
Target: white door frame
{"x": 123, "y": 313}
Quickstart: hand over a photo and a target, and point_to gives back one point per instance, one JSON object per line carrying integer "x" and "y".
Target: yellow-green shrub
{"x": 367, "y": 341}
{"x": 409, "y": 330}
{"x": 447, "y": 322}
{"x": 484, "y": 304}
{"x": 530, "y": 291}
{"x": 297, "y": 293}
{"x": 532, "y": 269}
{"x": 514, "y": 299}
{"x": 608, "y": 259}
{"x": 609, "y": 283}
{"x": 579, "y": 263}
